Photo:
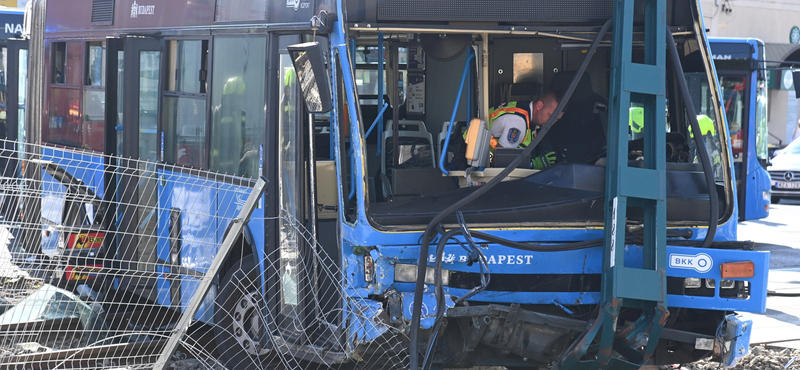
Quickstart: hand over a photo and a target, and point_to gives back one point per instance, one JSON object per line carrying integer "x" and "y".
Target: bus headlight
{"x": 691, "y": 283}
{"x": 369, "y": 268}
{"x": 727, "y": 284}
{"x": 404, "y": 273}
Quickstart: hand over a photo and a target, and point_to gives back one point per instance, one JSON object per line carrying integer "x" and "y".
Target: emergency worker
{"x": 513, "y": 125}
{"x": 231, "y": 155}
{"x": 708, "y": 133}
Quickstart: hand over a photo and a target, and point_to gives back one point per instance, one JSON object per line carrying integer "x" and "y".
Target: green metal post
{"x": 641, "y": 82}
{"x": 626, "y": 186}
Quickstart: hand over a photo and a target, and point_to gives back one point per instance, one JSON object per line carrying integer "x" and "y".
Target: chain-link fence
{"x": 118, "y": 263}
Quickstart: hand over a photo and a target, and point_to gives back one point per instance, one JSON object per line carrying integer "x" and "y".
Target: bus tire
{"x": 775, "y": 199}
{"x": 240, "y": 318}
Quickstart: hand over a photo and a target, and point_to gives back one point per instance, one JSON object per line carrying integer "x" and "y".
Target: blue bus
{"x": 293, "y": 178}
{"x": 743, "y": 84}
{"x": 13, "y": 84}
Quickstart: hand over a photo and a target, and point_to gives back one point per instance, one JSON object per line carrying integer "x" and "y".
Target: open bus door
{"x": 135, "y": 63}
{"x": 13, "y": 88}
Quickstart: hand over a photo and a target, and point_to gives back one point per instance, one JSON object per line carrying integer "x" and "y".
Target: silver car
{"x": 784, "y": 172}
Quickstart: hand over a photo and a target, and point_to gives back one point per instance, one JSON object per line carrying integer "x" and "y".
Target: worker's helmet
{"x": 706, "y": 126}
{"x": 234, "y": 85}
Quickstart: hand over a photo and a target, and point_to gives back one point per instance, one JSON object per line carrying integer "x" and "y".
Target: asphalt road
{"x": 780, "y": 234}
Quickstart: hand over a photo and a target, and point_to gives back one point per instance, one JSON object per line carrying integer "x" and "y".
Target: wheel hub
{"x": 249, "y": 324}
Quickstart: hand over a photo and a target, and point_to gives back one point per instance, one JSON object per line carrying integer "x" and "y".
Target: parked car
{"x": 784, "y": 172}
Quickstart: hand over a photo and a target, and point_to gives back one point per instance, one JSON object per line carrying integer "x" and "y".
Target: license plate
{"x": 787, "y": 185}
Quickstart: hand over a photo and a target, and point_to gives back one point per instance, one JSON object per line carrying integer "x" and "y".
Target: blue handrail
{"x": 380, "y": 90}
{"x": 453, "y": 116}
{"x": 379, "y": 118}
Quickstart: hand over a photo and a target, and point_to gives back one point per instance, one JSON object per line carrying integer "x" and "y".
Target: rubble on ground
{"x": 760, "y": 358}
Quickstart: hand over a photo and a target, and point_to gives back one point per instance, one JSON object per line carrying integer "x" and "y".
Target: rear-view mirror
{"x": 309, "y": 63}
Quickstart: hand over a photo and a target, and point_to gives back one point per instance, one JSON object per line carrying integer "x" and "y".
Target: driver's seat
{"x": 580, "y": 135}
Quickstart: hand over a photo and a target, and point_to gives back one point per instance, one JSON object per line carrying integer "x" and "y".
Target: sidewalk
{"x": 780, "y": 324}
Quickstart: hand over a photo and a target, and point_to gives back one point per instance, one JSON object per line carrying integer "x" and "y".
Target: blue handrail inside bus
{"x": 379, "y": 118}
{"x": 380, "y": 91}
{"x": 453, "y": 116}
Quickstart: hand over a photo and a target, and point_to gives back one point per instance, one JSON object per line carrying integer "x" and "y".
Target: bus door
{"x": 136, "y": 69}
{"x": 293, "y": 274}
{"x": 13, "y": 88}
{"x": 735, "y": 96}
{"x": 290, "y": 172}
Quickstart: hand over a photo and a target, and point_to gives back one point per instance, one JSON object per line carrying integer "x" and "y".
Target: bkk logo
{"x": 700, "y": 262}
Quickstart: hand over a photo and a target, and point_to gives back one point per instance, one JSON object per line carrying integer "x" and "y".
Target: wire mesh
{"x": 100, "y": 257}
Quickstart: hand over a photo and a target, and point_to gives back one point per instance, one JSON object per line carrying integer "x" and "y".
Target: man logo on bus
{"x": 293, "y": 4}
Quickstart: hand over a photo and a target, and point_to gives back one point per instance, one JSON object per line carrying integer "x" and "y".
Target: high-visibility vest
{"x": 519, "y": 108}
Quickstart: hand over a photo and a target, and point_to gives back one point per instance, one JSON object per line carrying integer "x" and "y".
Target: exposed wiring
{"x": 475, "y": 256}
{"x": 432, "y": 225}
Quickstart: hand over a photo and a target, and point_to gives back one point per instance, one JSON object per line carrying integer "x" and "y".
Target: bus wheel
{"x": 240, "y": 328}
{"x": 775, "y": 199}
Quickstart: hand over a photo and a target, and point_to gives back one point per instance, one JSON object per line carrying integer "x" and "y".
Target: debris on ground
{"x": 760, "y": 358}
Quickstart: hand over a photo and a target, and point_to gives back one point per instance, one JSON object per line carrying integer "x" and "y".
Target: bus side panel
{"x": 230, "y": 201}
{"x": 86, "y": 167}
{"x": 757, "y": 199}
{"x": 194, "y": 199}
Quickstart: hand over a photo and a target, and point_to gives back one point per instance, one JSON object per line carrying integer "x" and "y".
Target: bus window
{"x": 707, "y": 119}
{"x": 237, "y": 104}
{"x": 63, "y": 125}
{"x": 149, "y": 69}
{"x": 59, "y": 58}
{"x": 93, "y": 129}
{"x": 95, "y": 63}
{"x": 733, "y": 91}
{"x": 184, "y": 113}
{"x": 761, "y": 123}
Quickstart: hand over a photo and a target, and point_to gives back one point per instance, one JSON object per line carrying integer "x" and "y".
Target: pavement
{"x": 779, "y": 326}
{"x": 780, "y": 235}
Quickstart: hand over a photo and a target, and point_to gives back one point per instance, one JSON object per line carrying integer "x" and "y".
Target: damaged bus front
{"x": 480, "y": 271}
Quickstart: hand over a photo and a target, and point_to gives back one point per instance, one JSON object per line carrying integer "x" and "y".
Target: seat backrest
{"x": 579, "y": 136}
{"x": 457, "y": 134}
{"x": 415, "y": 145}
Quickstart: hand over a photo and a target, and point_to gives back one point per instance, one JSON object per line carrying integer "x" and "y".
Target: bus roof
{"x": 103, "y": 17}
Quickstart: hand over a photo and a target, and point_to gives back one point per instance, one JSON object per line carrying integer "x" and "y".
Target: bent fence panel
{"x": 113, "y": 262}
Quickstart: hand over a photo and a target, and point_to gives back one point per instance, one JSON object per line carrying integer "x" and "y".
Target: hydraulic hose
{"x": 708, "y": 171}
{"x": 431, "y": 228}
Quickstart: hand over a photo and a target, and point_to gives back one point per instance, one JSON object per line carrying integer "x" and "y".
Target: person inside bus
{"x": 233, "y": 156}
{"x": 514, "y": 124}
{"x": 579, "y": 136}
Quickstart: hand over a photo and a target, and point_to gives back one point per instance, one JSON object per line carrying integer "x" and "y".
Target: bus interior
{"x": 421, "y": 77}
